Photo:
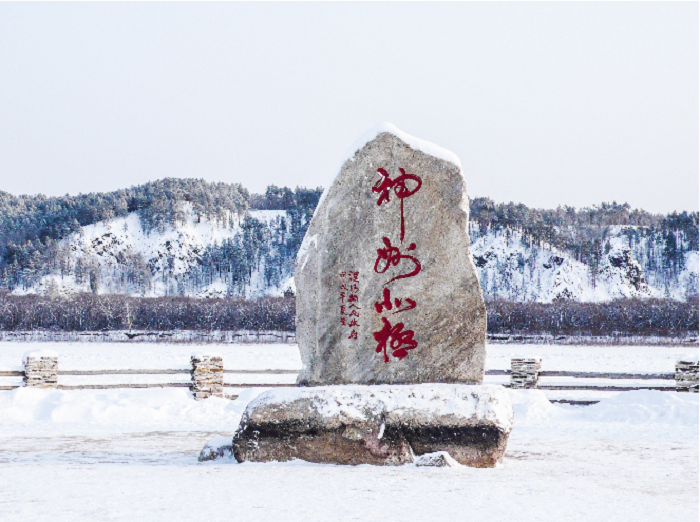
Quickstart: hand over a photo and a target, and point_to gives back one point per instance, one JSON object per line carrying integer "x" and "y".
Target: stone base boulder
{"x": 381, "y": 424}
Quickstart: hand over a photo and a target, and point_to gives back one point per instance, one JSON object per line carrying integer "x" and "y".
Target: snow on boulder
{"x": 689, "y": 359}
{"x": 38, "y": 354}
{"x": 424, "y": 146}
{"x": 439, "y": 459}
{"x": 380, "y": 424}
{"x": 217, "y": 448}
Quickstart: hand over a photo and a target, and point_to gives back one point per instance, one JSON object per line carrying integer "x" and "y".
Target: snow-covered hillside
{"x": 119, "y": 256}
{"x": 513, "y": 269}
{"x": 252, "y": 254}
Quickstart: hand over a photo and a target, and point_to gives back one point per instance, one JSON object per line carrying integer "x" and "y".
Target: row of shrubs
{"x": 90, "y": 312}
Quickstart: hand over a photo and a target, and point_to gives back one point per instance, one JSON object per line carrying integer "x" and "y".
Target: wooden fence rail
{"x": 42, "y": 371}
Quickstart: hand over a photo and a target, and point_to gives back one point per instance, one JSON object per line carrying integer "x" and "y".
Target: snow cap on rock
{"x": 206, "y": 354}
{"x": 689, "y": 358}
{"x": 386, "y": 127}
{"x": 38, "y": 354}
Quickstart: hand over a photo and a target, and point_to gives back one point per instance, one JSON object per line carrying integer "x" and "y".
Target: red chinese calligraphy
{"x": 385, "y": 303}
{"x": 399, "y": 341}
{"x": 349, "y": 314}
{"x": 385, "y": 184}
{"x": 379, "y": 306}
{"x": 410, "y": 305}
{"x": 395, "y": 338}
{"x": 392, "y": 256}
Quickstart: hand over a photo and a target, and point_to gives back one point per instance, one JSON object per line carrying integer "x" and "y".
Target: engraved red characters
{"x": 385, "y": 303}
{"x": 392, "y": 256}
{"x": 400, "y": 341}
{"x": 395, "y": 338}
{"x": 349, "y": 310}
{"x": 385, "y": 184}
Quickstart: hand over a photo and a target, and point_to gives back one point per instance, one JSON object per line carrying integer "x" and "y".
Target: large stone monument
{"x": 386, "y": 288}
{"x": 387, "y": 294}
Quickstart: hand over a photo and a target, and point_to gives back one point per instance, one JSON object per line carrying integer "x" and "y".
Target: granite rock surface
{"x": 387, "y": 291}
{"x": 380, "y": 425}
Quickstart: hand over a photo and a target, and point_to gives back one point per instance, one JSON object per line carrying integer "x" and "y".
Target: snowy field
{"x": 131, "y": 454}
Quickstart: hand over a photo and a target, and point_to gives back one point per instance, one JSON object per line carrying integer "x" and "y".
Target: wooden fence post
{"x": 207, "y": 375}
{"x": 40, "y": 369}
{"x": 687, "y": 375}
{"x": 525, "y": 373}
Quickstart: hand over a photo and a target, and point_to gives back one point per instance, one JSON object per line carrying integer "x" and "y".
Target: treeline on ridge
{"x": 31, "y": 228}
{"x": 583, "y": 232}
{"x": 91, "y": 312}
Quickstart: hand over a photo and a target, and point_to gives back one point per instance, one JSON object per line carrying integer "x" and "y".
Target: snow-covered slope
{"x": 252, "y": 255}
{"x": 119, "y": 256}
{"x": 510, "y": 268}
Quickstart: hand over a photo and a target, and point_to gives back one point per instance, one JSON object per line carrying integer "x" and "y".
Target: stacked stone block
{"x": 40, "y": 370}
{"x": 207, "y": 376}
{"x": 525, "y": 373}
{"x": 687, "y": 376}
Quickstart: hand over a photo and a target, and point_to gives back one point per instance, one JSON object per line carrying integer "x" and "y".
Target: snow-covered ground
{"x": 131, "y": 454}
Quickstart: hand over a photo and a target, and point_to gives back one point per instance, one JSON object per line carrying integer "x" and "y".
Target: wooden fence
{"x": 42, "y": 370}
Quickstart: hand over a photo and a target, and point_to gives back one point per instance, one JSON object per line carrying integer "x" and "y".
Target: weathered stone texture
{"x": 347, "y": 233}
{"x": 381, "y": 425}
{"x": 41, "y": 371}
{"x": 687, "y": 376}
{"x": 207, "y": 376}
{"x": 525, "y": 373}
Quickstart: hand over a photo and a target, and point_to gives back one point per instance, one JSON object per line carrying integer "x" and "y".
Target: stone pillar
{"x": 525, "y": 373}
{"x": 207, "y": 376}
{"x": 40, "y": 369}
{"x": 687, "y": 375}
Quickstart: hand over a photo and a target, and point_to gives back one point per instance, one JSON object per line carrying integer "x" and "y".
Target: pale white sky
{"x": 545, "y": 103}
